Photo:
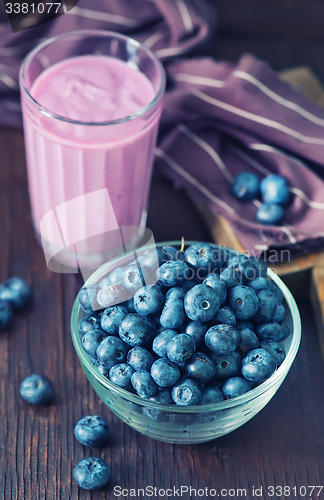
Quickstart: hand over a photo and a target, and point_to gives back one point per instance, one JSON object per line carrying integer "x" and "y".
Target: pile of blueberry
{"x": 274, "y": 192}
{"x": 15, "y": 293}
{"x": 209, "y": 328}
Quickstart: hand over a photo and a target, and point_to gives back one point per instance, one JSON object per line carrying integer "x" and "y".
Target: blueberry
{"x": 173, "y": 273}
{"x": 276, "y": 290}
{"x": 16, "y": 291}
{"x": 133, "y": 278}
{"x": 279, "y": 314}
{"x": 272, "y": 331}
{"x": 226, "y": 365}
{"x": 101, "y": 368}
{"x": 275, "y": 349}
{"x": 187, "y": 392}
{"x": 245, "y": 186}
{"x": 211, "y": 394}
{"x": 199, "y": 256}
{"x": 135, "y": 330}
{"x": 200, "y": 367}
{"x": 270, "y": 214}
{"x": 91, "y": 473}
{"x": 274, "y": 189}
{"x": 111, "y": 351}
{"x": 140, "y": 358}
{"x": 222, "y": 339}
{"x": 173, "y": 314}
{"x": 201, "y": 303}
{"x": 267, "y": 306}
{"x": 171, "y": 253}
{"x": 197, "y": 331}
{"x": 92, "y": 431}
{"x": 220, "y": 258}
{"x": 243, "y": 301}
{"x": 165, "y": 373}
{"x": 259, "y": 283}
{"x": 161, "y": 341}
{"x": 235, "y": 386}
{"x": 91, "y": 341}
{"x": 121, "y": 375}
{"x": 111, "y": 318}
{"x": 36, "y": 389}
{"x": 114, "y": 278}
{"x": 231, "y": 277}
{"x": 175, "y": 293}
{"x": 88, "y": 298}
{"x": 163, "y": 397}
{"x": 148, "y": 300}
{"x": 89, "y": 323}
{"x": 111, "y": 295}
{"x": 129, "y": 304}
{"x": 258, "y": 365}
{"x": 6, "y": 314}
{"x": 248, "y": 340}
{"x": 215, "y": 282}
{"x": 144, "y": 384}
{"x": 180, "y": 348}
{"x": 225, "y": 315}
{"x": 246, "y": 323}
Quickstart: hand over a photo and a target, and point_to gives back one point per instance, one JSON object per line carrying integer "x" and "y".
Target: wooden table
{"x": 282, "y": 445}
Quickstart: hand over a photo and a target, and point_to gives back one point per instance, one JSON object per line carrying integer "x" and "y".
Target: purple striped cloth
{"x": 219, "y": 119}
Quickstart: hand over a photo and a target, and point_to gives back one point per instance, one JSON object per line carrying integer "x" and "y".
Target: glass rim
{"x": 278, "y": 374}
{"x": 94, "y": 33}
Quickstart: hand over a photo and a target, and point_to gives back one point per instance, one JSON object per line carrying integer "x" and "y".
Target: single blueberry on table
{"x": 140, "y": 358}
{"x": 245, "y": 186}
{"x": 165, "y": 373}
{"x": 92, "y": 431}
{"x": 91, "y": 473}
{"x": 270, "y": 214}
{"x": 258, "y": 365}
{"x": 275, "y": 349}
{"x": 211, "y": 394}
{"x": 274, "y": 189}
{"x": 161, "y": 341}
{"x": 187, "y": 392}
{"x": 88, "y": 298}
{"x": 267, "y": 306}
{"x": 173, "y": 314}
{"x": 226, "y": 365}
{"x": 36, "y": 389}
{"x": 201, "y": 303}
{"x": 244, "y": 301}
{"x": 248, "y": 340}
{"x": 231, "y": 276}
{"x": 111, "y": 318}
{"x": 17, "y": 291}
{"x": 111, "y": 295}
{"x": 199, "y": 256}
{"x": 89, "y": 323}
{"x": 111, "y": 350}
{"x": 197, "y": 331}
{"x": 6, "y": 314}
{"x": 200, "y": 367}
{"x": 91, "y": 341}
{"x": 148, "y": 300}
{"x": 222, "y": 339}
{"x": 173, "y": 273}
{"x": 180, "y": 348}
{"x": 136, "y": 330}
{"x": 144, "y": 384}
{"x": 225, "y": 315}
{"x": 121, "y": 375}
{"x": 235, "y": 386}
{"x": 217, "y": 284}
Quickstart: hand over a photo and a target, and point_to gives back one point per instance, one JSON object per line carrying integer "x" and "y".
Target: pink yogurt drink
{"x": 91, "y": 105}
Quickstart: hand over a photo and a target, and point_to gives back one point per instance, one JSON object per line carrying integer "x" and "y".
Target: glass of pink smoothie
{"x": 91, "y": 103}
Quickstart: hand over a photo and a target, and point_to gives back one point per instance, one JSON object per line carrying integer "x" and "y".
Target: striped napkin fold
{"x": 219, "y": 118}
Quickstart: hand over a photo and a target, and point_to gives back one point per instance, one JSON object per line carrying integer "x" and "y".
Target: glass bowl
{"x": 191, "y": 424}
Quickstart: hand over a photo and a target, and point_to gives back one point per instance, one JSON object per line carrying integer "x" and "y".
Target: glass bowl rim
{"x": 279, "y": 373}
{"x": 95, "y": 33}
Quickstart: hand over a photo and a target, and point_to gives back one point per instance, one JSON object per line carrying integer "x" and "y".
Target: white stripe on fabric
{"x": 208, "y": 149}
{"x": 257, "y": 118}
{"x": 313, "y": 204}
{"x": 185, "y": 15}
{"x": 278, "y": 98}
{"x": 171, "y": 51}
{"x": 198, "y": 80}
{"x": 251, "y": 161}
{"x": 152, "y": 39}
{"x": 7, "y": 80}
{"x": 103, "y": 16}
